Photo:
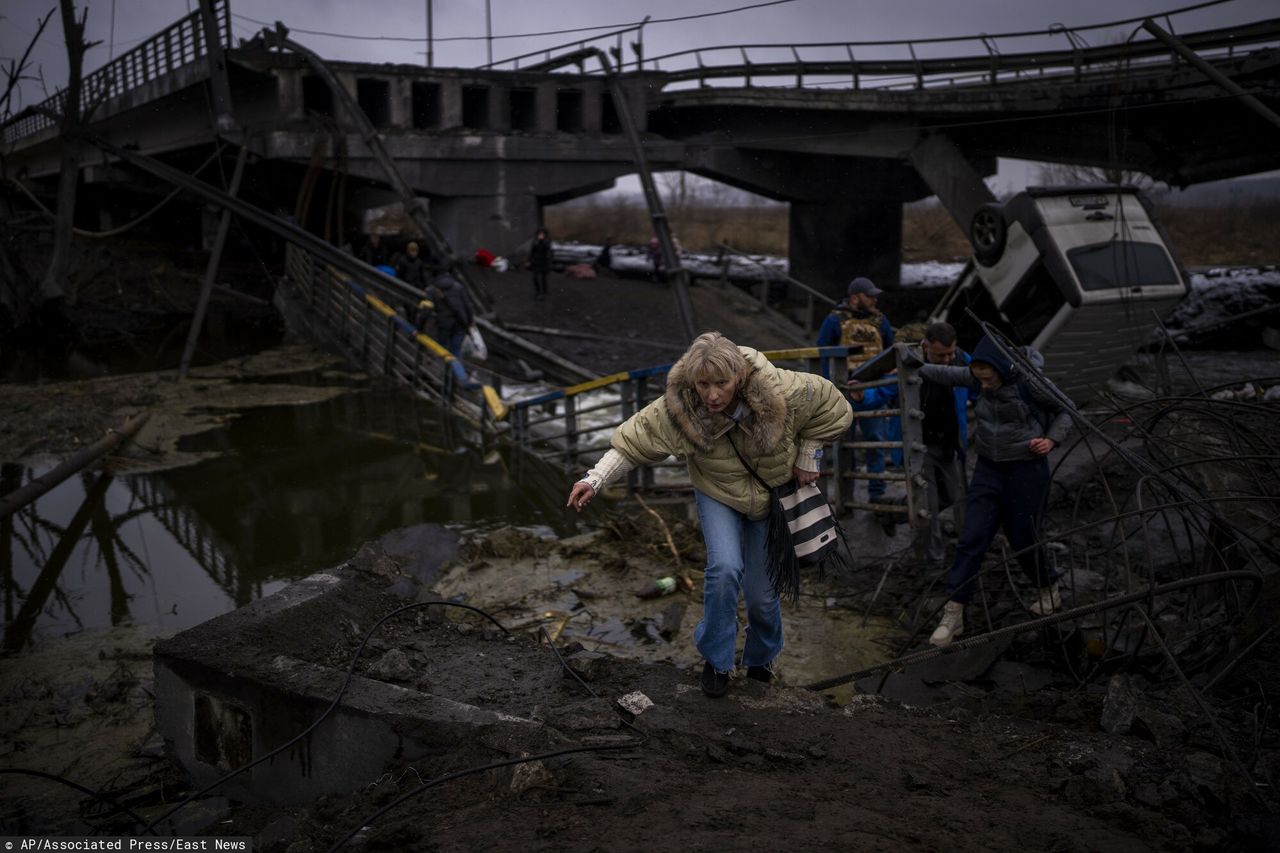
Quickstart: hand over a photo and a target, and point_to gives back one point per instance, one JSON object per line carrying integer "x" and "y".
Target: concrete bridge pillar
{"x": 450, "y": 103}
{"x": 846, "y": 212}
{"x": 498, "y": 223}
{"x": 400, "y": 103}
{"x": 289, "y": 100}
{"x": 856, "y": 233}
{"x": 592, "y": 107}
{"x": 545, "y": 109}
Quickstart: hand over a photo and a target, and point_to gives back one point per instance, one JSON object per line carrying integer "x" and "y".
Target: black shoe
{"x": 760, "y": 673}
{"x": 714, "y": 684}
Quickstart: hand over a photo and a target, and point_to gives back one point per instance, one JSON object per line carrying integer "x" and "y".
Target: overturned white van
{"x": 1080, "y": 273}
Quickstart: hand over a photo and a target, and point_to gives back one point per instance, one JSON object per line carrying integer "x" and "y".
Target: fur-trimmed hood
{"x": 761, "y": 391}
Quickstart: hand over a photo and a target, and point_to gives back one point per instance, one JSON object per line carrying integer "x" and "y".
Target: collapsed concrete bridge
{"x": 846, "y": 141}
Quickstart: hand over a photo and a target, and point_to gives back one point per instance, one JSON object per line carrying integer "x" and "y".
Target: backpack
{"x": 863, "y": 332}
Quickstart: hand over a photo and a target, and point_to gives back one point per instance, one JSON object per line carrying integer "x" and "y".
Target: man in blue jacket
{"x": 857, "y": 322}
{"x": 945, "y": 428}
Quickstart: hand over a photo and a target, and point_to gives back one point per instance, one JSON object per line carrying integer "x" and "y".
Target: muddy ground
{"x": 1005, "y": 752}
{"x": 1000, "y": 754}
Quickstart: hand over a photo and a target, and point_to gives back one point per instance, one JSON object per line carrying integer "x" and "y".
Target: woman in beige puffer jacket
{"x": 719, "y": 396}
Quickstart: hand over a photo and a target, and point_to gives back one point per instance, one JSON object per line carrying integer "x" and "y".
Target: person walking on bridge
{"x": 411, "y": 268}
{"x": 726, "y": 407}
{"x": 453, "y": 313}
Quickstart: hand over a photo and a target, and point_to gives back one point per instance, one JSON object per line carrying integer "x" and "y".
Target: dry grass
{"x": 752, "y": 228}
{"x": 1247, "y": 234}
{"x": 1227, "y": 236}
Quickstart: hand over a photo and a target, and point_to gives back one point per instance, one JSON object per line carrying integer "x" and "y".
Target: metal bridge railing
{"x": 572, "y": 426}
{"x": 862, "y": 65}
{"x": 201, "y": 542}
{"x": 179, "y": 44}
{"x": 362, "y": 320}
{"x": 547, "y": 55}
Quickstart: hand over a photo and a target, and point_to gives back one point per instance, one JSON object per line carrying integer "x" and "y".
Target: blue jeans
{"x": 893, "y": 432}
{"x": 1008, "y": 495}
{"x": 454, "y": 342}
{"x": 736, "y": 562}
{"x": 872, "y": 429}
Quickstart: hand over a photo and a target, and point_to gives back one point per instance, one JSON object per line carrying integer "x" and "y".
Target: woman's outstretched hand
{"x": 580, "y": 495}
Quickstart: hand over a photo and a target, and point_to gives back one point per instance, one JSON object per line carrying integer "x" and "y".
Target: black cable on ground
{"x": 542, "y": 632}
{"x": 327, "y": 711}
{"x": 118, "y": 807}
{"x": 448, "y": 777}
{"x": 1040, "y": 622}
{"x": 564, "y": 664}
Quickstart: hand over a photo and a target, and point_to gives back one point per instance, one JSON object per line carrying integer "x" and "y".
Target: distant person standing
{"x": 411, "y": 268}
{"x": 657, "y": 273}
{"x": 540, "y": 263}
{"x": 857, "y": 322}
{"x": 604, "y": 260}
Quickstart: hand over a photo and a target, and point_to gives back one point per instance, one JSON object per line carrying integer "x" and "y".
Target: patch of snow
{"x": 750, "y": 267}
{"x": 1221, "y": 293}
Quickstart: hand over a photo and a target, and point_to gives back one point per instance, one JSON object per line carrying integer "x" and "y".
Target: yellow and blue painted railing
{"x": 813, "y": 355}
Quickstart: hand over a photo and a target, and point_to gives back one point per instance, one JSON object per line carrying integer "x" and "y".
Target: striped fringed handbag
{"x": 802, "y": 532}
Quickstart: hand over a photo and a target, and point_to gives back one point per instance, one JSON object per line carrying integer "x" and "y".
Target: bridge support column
{"x": 400, "y": 103}
{"x": 857, "y": 233}
{"x": 290, "y": 106}
{"x": 450, "y": 103}
{"x": 498, "y": 223}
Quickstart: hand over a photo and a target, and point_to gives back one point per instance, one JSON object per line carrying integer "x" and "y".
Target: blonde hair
{"x": 712, "y": 356}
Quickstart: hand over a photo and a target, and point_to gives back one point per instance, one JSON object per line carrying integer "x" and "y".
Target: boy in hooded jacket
{"x": 1016, "y": 425}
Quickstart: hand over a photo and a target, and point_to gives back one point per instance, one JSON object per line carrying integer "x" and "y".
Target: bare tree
{"x": 16, "y": 285}
{"x": 677, "y": 191}
{"x": 73, "y": 118}
{"x": 1072, "y": 174}
{"x": 16, "y": 71}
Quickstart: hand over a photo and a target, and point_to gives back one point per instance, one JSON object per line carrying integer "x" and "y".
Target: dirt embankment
{"x": 1003, "y": 756}
{"x": 56, "y": 419}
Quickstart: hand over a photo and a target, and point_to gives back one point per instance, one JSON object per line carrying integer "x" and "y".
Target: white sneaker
{"x": 951, "y": 626}
{"x": 1049, "y": 600}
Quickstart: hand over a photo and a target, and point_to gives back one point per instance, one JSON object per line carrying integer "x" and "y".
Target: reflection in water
{"x": 294, "y": 489}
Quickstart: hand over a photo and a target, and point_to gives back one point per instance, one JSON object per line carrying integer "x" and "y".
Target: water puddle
{"x": 292, "y": 489}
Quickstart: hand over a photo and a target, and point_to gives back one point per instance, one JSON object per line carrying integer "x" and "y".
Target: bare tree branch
{"x": 16, "y": 72}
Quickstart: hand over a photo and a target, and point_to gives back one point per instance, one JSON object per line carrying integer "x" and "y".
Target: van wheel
{"x": 987, "y": 233}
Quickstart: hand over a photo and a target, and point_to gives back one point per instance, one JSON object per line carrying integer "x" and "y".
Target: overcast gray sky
{"x": 121, "y": 24}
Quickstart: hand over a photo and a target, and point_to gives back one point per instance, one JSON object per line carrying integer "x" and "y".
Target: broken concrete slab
{"x": 231, "y": 690}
